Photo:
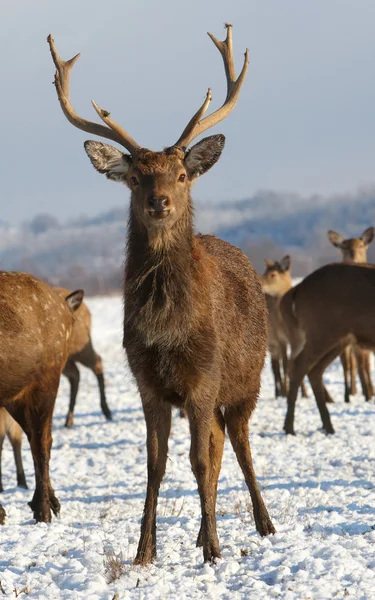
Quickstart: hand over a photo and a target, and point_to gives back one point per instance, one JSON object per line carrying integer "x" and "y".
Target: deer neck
{"x": 159, "y": 278}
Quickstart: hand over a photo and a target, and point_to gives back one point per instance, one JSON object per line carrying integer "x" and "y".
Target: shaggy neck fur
{"x": 159, "y": 279}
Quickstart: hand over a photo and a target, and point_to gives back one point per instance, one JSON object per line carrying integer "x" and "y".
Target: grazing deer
{"x": 276, "y": 281}
{"x": 354, "y": 250}
{"x": 331, "y": 308}
{"x": 35, "y": 328}
{"x": 81, "y": 351}
{"x": 195, "y": 325}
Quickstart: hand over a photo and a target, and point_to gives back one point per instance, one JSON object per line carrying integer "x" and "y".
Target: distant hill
{"x": 89, "y": 252}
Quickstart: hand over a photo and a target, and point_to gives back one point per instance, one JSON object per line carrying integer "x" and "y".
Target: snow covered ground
{"x": 320, "y": 492}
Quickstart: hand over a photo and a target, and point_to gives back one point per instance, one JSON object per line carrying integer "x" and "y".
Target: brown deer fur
{"x": 329, "y": 309}
{"x": 195, "y": 324}
{"x": 35, "y": 327}
{"x": 276, "y": 281}
{"x": 195, "y": 329}
{"x": 82, "y": 351}
{"x": 354, "y": 250}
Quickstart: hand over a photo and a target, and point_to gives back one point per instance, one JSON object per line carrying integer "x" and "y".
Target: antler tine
{"x": 197, "y": 126}
{"x": 62, "y": 76}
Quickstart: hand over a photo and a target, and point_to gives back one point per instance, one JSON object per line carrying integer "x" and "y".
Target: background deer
{"x": 195, "y": 324}
{"x": 354, "y": 250}
{"x": 330, "y": 308}
{"x": 35, "y": 327}
{"x": 276, "y": 281}
{"x": 10, "y": 427}
{"x": 82, "y": 351}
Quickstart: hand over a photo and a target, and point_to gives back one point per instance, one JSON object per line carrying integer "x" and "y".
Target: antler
{"x": 113, "y": 132}
{"x": 196, "y": 126}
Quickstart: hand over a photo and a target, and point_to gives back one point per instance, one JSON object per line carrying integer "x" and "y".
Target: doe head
{"x": 276, "y": 279}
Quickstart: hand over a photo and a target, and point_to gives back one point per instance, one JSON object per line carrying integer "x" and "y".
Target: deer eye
{"x": 182, "y": 177}
{"x": 134, "y": 181}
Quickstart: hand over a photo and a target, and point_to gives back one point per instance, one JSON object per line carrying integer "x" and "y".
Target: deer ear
{"x": 268, "y": 262}
{"x": 108, "y": 160}
{"x": 368, "y": 235}
{"x": 74, "y": 300}
{"x": 201, "y": 157}
{"x": 285, "y": 263}
{"x": 335, "y": 238}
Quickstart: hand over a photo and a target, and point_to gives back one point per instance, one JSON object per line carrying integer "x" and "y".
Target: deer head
{"x": 353, "y": 250}
{"x": 160, "y": 182}
{"x": 276, "y": 279}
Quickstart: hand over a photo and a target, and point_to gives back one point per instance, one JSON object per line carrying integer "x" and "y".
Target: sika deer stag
{"x": 195, "y": 325}
{"x": 331, "y": 308}
{"x": 354, "y": 250}
{"x": 35, "y": 327}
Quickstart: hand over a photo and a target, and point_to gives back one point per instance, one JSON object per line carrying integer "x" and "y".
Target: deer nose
{"x": 158, "y": 203}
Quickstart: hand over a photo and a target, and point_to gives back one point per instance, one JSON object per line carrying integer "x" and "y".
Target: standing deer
{"x": 35, "y": 328}
{"x": 331, "y": 308}
{"x": 276, "y": 281}
{"x": 354, "y": 250}
{"x": 195, "y": 324}
{"x": 82, "y": 351}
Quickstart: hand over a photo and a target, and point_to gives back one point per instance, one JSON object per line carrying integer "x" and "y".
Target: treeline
{"x": 89, "y": 252}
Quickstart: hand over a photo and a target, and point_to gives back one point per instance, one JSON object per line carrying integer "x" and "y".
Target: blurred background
{"x": 300, "y": 149}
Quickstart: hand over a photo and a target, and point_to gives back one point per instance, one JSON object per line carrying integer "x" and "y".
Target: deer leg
{"x": 2, "y": 437}
{"x": 353, "y": 372}
{"x": 200, "y": 429}
{"x": 34, "y": 414}
{"x": 15, "y": 437}
{"x": 346, "y": 361}
{"x": 217, "y": 438}
{"x": 72, "y": 373}
{"x": 298, "y": 369}
{"x": 275, "y": 364}
{"x": 363, "y": 361}
{"x": 158, "y": 422}
{"x": 304, "y": 390}
{"x": 2, "y": 515}
{"x": 98, "y": 370}
{"x": 285, "y": 362}
{"x": 238, "y": 429}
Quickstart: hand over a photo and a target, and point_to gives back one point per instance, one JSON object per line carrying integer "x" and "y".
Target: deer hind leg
{"x": 158, "y": 422}
{"x": 363, "y": 362}
{"x": 297, "y": 370}
{"x": 34, "y": 414}
{"x": 72, "y": 373}
{"x": 15, "y": 438}
{"x": 347, "y": 362}
{"x": 285, "y": 363}
{"x": 279, "y": 383}
{"x": 2, "y": 438}
{"x": 237, "y": 419}
{"x": 200, "y": 422}
{"x": 90, "y": 359}
{"x": 217, "y": 438}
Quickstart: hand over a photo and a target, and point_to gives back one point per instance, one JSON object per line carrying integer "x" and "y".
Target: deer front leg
{"x": 217, "y": 439}
{"x": 158, "y": 422}
{"x": 200, "y": 414}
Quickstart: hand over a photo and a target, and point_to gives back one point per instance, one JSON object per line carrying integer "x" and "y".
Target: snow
{"x": 319, "y": 491}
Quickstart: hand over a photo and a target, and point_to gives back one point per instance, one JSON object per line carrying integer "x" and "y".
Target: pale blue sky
{"x": 304, "y": 121}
